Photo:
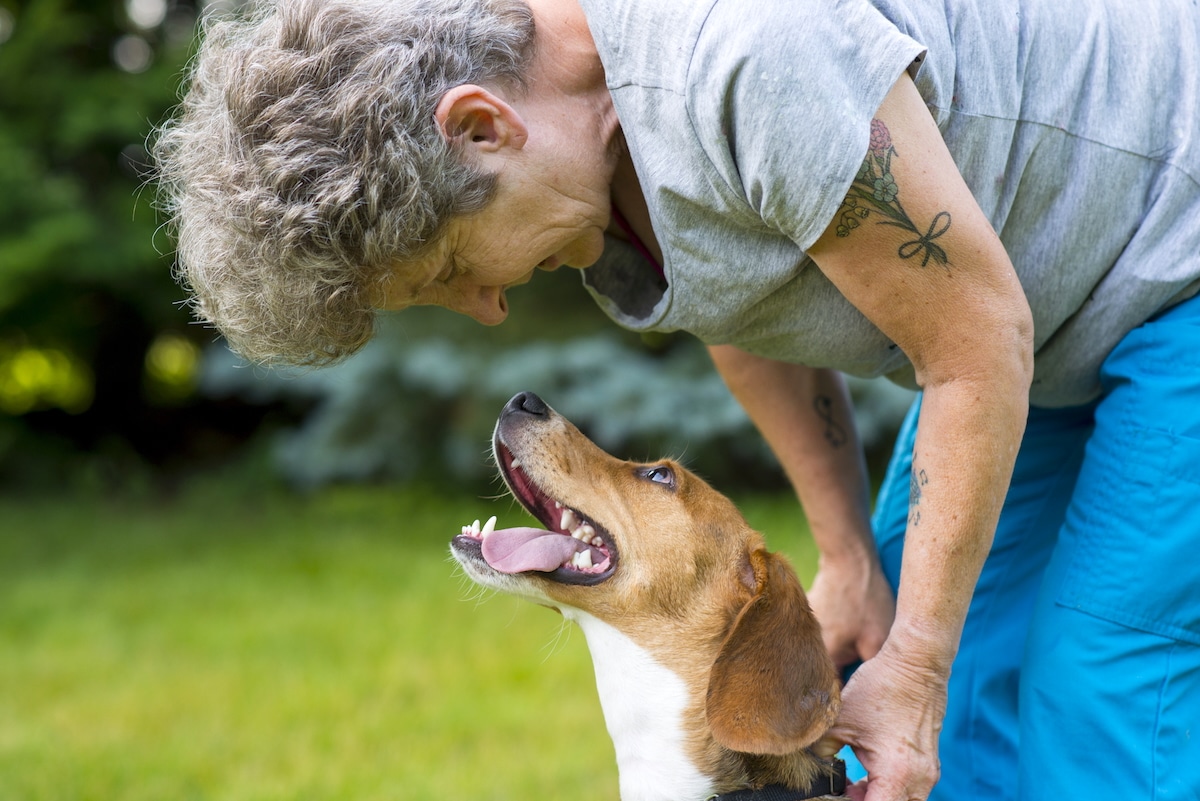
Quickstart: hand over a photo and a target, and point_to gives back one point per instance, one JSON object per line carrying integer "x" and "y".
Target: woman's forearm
{"x": 967, "y": 440}
{"x": 805, "y": 416}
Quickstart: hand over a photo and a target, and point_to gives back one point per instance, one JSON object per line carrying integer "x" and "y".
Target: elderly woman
{"x": 998, "y": 203}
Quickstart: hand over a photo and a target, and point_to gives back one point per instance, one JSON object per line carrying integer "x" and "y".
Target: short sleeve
{"x": 782, "y": 94}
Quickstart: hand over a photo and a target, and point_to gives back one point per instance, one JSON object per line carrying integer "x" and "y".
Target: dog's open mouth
{"x": 571, "y": 549}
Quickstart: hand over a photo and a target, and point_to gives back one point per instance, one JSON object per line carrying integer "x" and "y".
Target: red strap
{"x": 636, "y": 241}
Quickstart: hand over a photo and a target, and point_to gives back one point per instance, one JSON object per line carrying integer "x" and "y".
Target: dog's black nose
{"x": 527, "y": 403}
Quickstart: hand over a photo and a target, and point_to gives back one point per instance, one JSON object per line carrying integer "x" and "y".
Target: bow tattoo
{"x": 875, "y": 190}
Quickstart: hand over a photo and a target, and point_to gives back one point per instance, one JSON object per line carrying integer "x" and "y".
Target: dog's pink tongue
{"x": 517, "y": 550}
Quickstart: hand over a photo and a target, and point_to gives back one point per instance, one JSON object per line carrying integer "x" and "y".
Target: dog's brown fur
{"x": 696, "y": 588}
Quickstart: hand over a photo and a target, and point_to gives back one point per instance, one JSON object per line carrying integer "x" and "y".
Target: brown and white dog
{"x": 709, "y": 663}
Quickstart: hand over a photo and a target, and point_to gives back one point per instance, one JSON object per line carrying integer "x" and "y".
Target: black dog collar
{"x": 831, "y": 783}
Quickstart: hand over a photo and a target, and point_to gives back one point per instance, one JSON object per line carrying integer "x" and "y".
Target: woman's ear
{"x": 477, "y": 118}
{"x": 773, "y": 688}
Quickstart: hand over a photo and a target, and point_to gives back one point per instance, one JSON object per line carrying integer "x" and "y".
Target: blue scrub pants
{"x": 1079, "y": 670}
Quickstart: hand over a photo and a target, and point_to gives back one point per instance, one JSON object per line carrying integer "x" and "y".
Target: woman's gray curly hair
{"x": 304, "y": 162}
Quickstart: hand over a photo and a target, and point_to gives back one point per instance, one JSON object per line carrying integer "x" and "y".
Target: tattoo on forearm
{"x": 835, "y": 435}
{"x": 916, "y": 486}
{"x": 875, "y": 190}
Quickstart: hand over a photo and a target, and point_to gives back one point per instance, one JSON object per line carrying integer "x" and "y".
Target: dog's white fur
{"x": 643, "y": 704}
{"x": 709, "y": 665}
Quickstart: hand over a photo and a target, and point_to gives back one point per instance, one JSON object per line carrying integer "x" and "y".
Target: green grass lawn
{"x": 230, "y": 644}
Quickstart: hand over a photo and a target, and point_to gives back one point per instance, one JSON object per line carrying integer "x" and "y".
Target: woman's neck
{"x": 565, "y": 52}
{"x": 566, "y": 71}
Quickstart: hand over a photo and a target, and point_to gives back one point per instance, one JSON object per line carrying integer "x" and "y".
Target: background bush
{"x": 406, "y": 406}
{"x": 86, "y": 295}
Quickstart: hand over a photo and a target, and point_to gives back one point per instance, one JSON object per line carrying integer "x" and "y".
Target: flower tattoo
{"x": 881, "y": 137}
{"x": 875, "y": 190}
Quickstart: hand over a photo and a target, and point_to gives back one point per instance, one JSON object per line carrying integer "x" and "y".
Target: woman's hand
{"x": 855, "y": 606}
{"x": 892, "y": 710}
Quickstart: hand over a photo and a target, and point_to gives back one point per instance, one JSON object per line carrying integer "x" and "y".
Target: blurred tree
{"x": 81, "y": 84}
{"x": 86, "y": 297}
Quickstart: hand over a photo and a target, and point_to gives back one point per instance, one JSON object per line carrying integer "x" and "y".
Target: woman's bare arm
{"x": 925, "y": 266}
{"x": 805, "y": 416}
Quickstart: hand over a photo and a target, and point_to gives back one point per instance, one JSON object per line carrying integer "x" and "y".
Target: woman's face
{"x": 538, "y": 221}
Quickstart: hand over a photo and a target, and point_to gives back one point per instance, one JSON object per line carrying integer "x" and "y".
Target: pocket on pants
{"x": 1134, "y": 533}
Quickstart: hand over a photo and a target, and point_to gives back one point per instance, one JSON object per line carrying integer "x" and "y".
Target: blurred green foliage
{"x": 74, "y": 210}
{"x": 85, "y": 293}
{"x": 421, "y": 399}
{"x": 407, "y": 407}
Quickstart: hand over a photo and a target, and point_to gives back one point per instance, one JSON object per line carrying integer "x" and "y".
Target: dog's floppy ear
{"x": 773, "y": 688}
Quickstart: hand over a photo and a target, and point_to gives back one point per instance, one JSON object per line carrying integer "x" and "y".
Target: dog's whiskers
{"x": 555, "y": 645}
{"x": 472, "y": 590}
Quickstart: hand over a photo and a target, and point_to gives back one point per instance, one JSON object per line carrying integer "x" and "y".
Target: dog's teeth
{"x": 516, "y": 463}
{"x": 569, "y": 521}
{"x": 557, "y": 505}
{"x": 584, "y": 533}
{"x": 583, "y": 559}
{"x": 475, "y": 528}
{"x": 597, "y": 541}
{"x": 488, "y": 527}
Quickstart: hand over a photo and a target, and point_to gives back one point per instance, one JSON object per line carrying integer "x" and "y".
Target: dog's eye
{"x": 660, "y": 475}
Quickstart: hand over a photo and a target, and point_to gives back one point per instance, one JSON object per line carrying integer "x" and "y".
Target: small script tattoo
{"x": 916, "y": 484}
{"x": 835, "y": 435}
{"x": 875, "y": 191}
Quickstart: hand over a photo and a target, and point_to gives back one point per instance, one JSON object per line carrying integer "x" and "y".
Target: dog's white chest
{"x": 643, "y": 705}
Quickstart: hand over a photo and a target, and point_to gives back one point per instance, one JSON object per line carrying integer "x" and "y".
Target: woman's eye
{"x": 660, "y": 475}
{"x": 452, "y": 269}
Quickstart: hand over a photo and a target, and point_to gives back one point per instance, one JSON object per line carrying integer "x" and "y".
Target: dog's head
{"x": 657, "y": 553}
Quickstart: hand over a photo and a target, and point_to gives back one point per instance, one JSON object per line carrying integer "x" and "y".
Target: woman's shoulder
{"x": 782, "y": 101}
{"x": 646, "y": 44}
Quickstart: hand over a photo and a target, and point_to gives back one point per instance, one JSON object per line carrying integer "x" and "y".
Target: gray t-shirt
{"x": 1076, "y": 126}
